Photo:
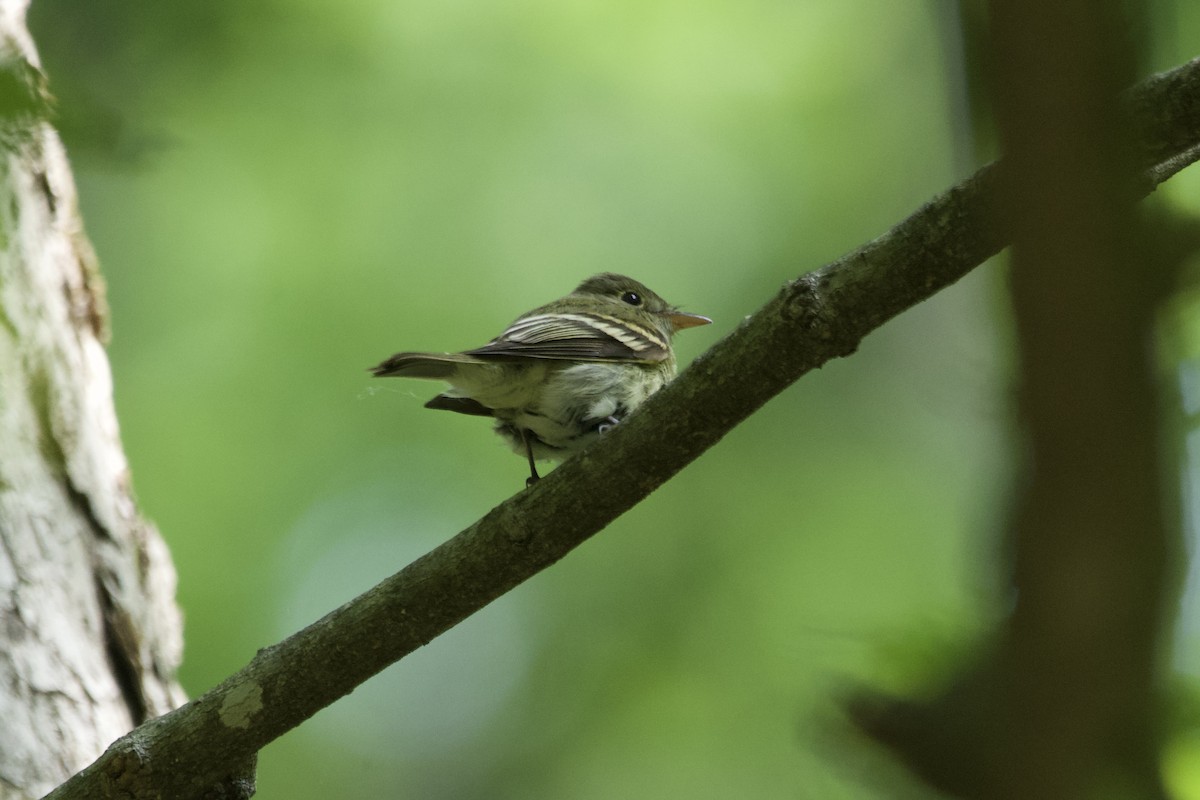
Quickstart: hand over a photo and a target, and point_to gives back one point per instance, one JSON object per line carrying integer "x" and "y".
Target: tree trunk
{"x": 90, "y": 636}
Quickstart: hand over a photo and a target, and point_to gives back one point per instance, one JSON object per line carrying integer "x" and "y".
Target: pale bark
{"x": 90, "y": 636}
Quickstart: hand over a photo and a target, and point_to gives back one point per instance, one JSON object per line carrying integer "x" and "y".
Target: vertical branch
{"x": 1065, "y": 706}
{"x": 1078, "y": 669}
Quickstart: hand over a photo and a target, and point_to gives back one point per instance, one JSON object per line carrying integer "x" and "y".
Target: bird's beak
{"x": 681, "y": 320}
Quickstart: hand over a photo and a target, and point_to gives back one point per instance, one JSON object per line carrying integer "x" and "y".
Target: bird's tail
{"x": 437, "y": 366}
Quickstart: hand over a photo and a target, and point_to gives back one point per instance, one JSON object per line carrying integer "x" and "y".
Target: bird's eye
{"x": 633, "y": 298}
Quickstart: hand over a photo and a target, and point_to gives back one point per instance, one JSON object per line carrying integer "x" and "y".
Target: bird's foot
{"x": 606, "y": 424}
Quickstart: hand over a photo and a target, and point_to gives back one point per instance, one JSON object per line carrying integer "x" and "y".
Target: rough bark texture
{"x": 90, "y": 636}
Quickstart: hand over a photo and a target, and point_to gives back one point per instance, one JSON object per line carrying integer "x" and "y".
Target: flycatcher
{"x": 562, "y": 374}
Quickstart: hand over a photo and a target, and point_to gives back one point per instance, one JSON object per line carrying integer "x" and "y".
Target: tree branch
{"x": 1067, "y": 704}
{"x": 1080, "y": 659}
{"x": 815, "y": 318}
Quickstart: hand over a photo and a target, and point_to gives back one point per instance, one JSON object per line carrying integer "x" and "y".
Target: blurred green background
{"x": 283, "y": 193}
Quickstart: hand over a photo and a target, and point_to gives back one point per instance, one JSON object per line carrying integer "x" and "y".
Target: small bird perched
{"x": 564, "y": 373}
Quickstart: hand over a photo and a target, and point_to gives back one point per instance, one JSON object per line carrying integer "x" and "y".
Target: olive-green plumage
{"x": 563, "y": 373}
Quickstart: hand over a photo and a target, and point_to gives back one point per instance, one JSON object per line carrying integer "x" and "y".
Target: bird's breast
{"x": 563, "y": 404}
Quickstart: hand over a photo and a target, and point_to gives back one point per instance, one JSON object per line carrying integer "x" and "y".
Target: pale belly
{"x": 568, "y": 406}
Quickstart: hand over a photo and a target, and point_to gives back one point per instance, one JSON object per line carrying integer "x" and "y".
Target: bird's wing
{"x": 585, "y": 336}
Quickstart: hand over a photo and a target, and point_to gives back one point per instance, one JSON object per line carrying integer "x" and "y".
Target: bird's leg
{"x": 533, "y": 476}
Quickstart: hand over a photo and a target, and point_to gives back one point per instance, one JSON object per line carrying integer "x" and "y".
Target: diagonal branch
{"x": 815, "y": 318}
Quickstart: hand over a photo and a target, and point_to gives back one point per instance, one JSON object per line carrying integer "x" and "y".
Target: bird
{"x": 564, "y": 373}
